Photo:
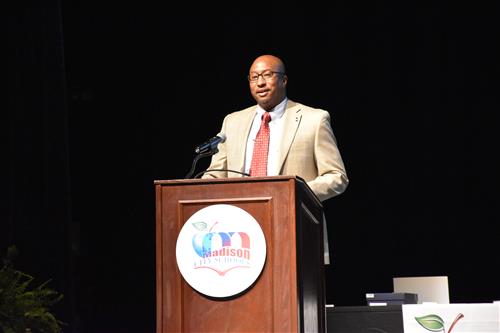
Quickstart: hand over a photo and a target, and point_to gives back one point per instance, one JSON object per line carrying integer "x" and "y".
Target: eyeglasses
{"x": 266, "y": 75}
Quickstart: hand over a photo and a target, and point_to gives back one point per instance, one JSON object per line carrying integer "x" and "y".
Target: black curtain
{"x": 104, "y": 99}
{"x": 37, "y": 216}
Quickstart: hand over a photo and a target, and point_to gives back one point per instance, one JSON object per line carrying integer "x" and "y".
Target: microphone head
{"x": 210, "y": 145}
{"x": 222, "y": 137}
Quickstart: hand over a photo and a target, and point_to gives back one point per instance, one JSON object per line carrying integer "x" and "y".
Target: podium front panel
{"x": 272, "y": 303}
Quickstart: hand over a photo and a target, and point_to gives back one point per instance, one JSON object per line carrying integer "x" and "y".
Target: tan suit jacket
{"x": 308, "y": 149}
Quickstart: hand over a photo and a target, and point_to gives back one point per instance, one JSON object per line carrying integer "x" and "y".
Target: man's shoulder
{"x": 239, "y": 113}
{"x": 235, "y": 119}
{"x": 306, "y": 109}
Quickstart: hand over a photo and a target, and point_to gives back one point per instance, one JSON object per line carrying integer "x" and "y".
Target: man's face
{"x": 267, "y": 83}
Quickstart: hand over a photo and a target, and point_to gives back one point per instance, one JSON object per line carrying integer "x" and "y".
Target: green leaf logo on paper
{"x": 431, "y": 323}
{"x": 434, "y": 323}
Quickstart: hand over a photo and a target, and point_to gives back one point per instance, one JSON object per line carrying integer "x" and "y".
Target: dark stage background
{"x": 103, "y": 100}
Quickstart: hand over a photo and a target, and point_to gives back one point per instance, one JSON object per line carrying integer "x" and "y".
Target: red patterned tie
{"x": 261, "y": 148}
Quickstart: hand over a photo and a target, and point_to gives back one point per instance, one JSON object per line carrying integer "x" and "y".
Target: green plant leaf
{"x": 23, "y": 307}
{"x": 431, "y": 322}
{"x": 200, "y": 226}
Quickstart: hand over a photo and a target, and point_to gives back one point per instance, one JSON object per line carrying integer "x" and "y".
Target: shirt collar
{"x": 276, "y": 112}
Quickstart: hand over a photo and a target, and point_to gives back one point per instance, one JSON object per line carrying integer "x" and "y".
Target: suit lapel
{"x": 242, "y": 135}
{"x": 292, "y": 120}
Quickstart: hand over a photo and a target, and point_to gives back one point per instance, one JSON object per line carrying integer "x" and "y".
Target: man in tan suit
{"x": 301, "y": 143}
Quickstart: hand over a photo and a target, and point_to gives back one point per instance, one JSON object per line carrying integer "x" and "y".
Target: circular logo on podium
{"x": 221, "y": 250}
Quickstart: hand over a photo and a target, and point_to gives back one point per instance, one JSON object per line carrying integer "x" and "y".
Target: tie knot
{"x": 266, "y": 117}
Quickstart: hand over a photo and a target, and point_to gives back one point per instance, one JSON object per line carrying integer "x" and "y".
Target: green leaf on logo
{"x": 200, "y": 225}
{"x": 431, "y": 322}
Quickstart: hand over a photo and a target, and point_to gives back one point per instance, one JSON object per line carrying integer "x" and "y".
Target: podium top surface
{"x": 226, "y": 180}
{"x": 302, "y": 183}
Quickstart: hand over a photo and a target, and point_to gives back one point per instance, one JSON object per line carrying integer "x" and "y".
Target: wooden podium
{"x": 288, "y": 296}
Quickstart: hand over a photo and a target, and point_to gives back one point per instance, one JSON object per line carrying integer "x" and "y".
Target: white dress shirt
{"x": 275, "y": 134}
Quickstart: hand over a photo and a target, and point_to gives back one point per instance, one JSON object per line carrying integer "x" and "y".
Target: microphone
{"x": 210, "y": 144}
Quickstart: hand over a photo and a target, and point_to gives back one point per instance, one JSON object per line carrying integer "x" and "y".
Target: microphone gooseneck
{"x": 195, "y": 161}
{"x": 208, "y": 148}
